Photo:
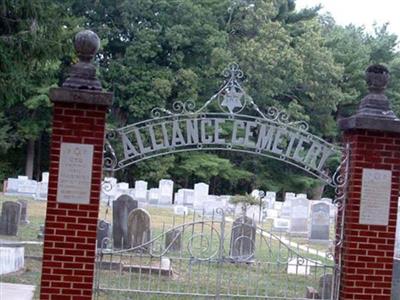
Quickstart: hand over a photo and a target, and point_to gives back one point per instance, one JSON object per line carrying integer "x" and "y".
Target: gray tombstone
{"x": 243, "y": 237}
{"x": 24, "y": 211}
{"x": 41, "y": 232}
{"x": 103, "y": 233}
{"x": 173, "y": 240}
{"x": 325, "y": 286}
{"x": 320, "y": 222}
{"x": 139, "y": 231}
{"x": 299, "y": 213}
{"x": 122, "y": 207}
{"x": 10, "y": 217}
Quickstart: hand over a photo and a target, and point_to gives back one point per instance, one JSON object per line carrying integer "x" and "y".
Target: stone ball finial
{"x": 377, "y": 77}
{"x": 86, "y": 43}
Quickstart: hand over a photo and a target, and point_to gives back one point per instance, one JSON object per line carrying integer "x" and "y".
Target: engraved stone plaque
{"x": 375, "y": 196}
{"x": 75, "y": 173}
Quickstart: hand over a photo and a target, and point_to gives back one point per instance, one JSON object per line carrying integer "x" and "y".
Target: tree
{"x": 33, "y": 36}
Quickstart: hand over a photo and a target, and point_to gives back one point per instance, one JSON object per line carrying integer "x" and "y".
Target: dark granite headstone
{"x": 325, "y": 286}
{"x": 10, "y": 217}
{"x": 139, "y": 231}
{"x": 320, "y": 222}
{"x": 24, "y": 211}
{"x": 243, "y": 237}
{"x": 103, "y": 232}
{"x": 173, "y": 240}
{"x": 121, "y": 210}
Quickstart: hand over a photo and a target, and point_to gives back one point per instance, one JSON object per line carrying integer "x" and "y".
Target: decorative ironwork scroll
{"x": 183, "y": 128}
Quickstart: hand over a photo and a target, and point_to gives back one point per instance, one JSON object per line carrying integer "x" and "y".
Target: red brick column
{"x": 373, "y": 135}
{"x": 71, "y": 226}
{"x": 367, "y": 253}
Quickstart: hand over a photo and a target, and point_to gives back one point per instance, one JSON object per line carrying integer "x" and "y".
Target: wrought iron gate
{"x": 210, "y": 256}
{"x": 206, "y": 263}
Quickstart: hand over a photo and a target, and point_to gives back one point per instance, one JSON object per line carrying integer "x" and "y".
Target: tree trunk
{"x": 30, "y": 158}
{"x": 38, "y": 157}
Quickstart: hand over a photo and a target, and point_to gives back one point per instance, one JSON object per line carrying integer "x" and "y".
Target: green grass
{"x": 264, "y": 277}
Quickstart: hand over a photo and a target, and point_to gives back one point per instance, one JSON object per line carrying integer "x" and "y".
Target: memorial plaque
{"x": 375, "y": 196}
{"x": 75, "y": 173}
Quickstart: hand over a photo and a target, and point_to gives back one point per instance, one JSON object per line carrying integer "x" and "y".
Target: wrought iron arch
{"x": 237, "y": 124}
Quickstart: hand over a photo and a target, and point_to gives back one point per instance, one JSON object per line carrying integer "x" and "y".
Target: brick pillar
{"x": 373, "y": 135}
{"x": 76, "y": 156}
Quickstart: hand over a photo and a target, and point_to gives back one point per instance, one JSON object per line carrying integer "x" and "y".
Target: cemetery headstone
{"x": 10, "y": 218}
{"x": 41, "y": 232}
{"x": 121, "y": 210}
{"x": 24, "y": 211}
{"x": 103, "y": 233}
{"x": 243, "y": 237}
{"x": 12, "y": 185}
{"x": 166, "y": 189}
{"x": 188, "y": 197}
{"x": 141, "y": 190}
{"x": 320, "y": 222}
{"x": 12, "y": 258}
{"x": 139, "y": 231}
{"x": 180, "y": 210}
{"x": 41, "y": 191}
{"x": 45, "y": 177}
{"x": 299, "y": 214}
{"x": 281, "y": 225}
{"x": 200, "y": 194}
{"x": 325, "y": 286}
{"x": 297, "y": 267}
{"x": 27, "y": 186}
{"x": 153, "y": 196}
{"x": 173, "y": 240}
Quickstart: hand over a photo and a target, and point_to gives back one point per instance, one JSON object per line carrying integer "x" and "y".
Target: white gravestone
{"x": 27, "y": 186}
{"x": 280, "y": 224}
{"x": 180, "y": 210}
{"x": 376, "y": 187}
{"x": 12, "y": 185}
{"x": 141, "y": 190}
{"x": 122, "y": 188}
{"x": 45, "y": 177}
{"x": 154, "y": 196}
{"x": 187, "y": 196}
{"x": 41, "y": 191}
{"x": 272, "y": 213}
{"x": 298, "y": 267}
{"x": 75, "y": 173}
{"x": 166, "y": 189}
{"x": 319, "y": 229}
{"x": 12, "y": 259}
{"x": 299, "y": 214}
{"x": 178, "y": 198}
{"x": 200, "y": 194}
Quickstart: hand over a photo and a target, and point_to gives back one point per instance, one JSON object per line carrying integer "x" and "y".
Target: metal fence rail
{"x": 213, "y": 257}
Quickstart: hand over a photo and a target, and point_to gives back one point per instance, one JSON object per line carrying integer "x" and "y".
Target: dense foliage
{"x": 157, "y": 51}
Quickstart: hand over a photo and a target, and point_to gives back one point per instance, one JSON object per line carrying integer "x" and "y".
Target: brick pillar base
{"x": 71, "y": 217}
{"x": 368, "y": 250}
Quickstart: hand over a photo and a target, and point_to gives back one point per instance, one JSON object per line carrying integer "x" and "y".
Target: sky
{"x": 360, "y": 12}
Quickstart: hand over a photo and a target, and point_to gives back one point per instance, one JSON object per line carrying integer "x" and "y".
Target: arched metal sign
{"x": 229, "y": 120}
